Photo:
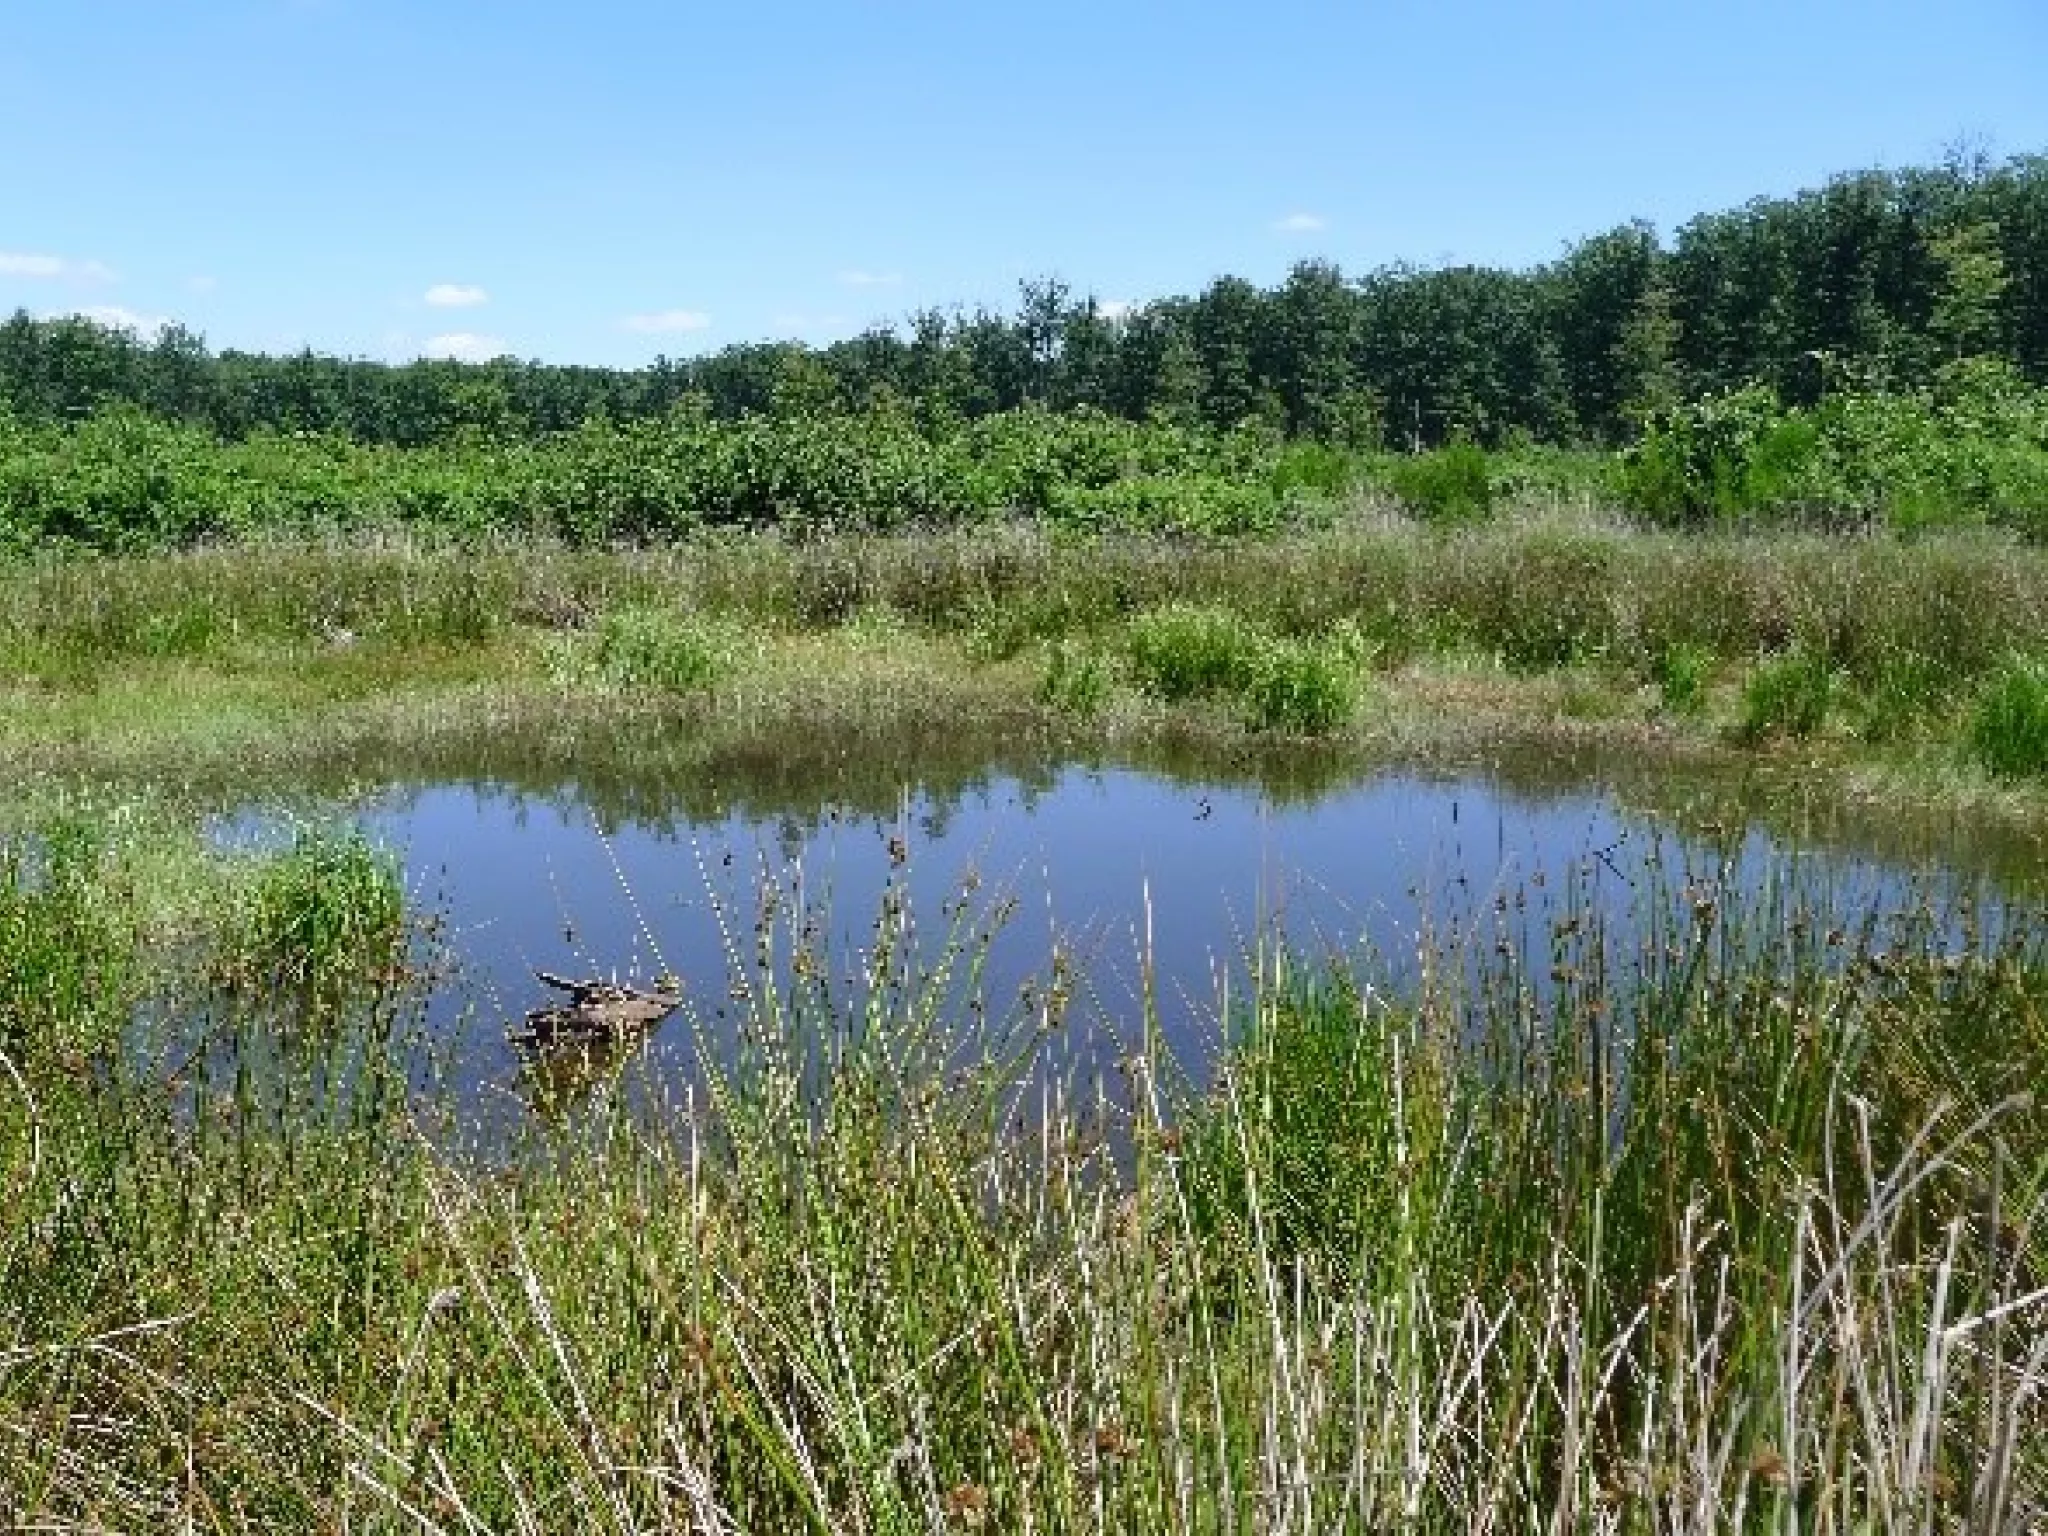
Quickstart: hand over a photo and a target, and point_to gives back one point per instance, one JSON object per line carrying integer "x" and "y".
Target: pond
{"x": 1152, "y": 883}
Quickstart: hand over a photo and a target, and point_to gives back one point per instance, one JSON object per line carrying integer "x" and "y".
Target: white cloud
{"x": 1115, "y": 309}
{"x": 1301, "y": 224}
{"x": 38, "y": 264}
{"x": 856, "y": 277}
{"x": 464, "y": 347}
{"x": 456, "y": 296}
{"x": 121, "y": 318}
{"x": 664, "y": 321}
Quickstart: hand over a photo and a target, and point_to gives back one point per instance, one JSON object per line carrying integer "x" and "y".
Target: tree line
{"x": 1872, "y": 281}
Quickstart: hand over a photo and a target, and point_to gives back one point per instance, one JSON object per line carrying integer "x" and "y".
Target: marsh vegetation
{"x": 1691, "y": 1200}
{"x": 1736, "y": 1221}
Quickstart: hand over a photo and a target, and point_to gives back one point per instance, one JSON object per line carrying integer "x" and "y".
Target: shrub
{"x": 2009, "y": 726}
{"x": 1452, "y": 484}
{"x": 1316, "y": 469}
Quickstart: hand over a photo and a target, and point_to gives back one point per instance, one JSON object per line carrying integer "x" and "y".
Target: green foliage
{"x": 1903, "y": 690}
{"x": 1186, "y": 651}
{"x": 1300, "y": 1150}
{"x": 1452, "y": 484}
{"x": 1076, "y": 680}
{"x": 1878, "y": 276}
{"x": 1965, "y": 319}
{"x": 1317, "y": 468}
{"x": 2008, "y": 730}
{"x": 1789, "y": 695}
{"x": 1558, "y": 1213}
{"x": 1682, "y": 672}
{"x": 1971, "y": 447}
{"x": 1189, "y": 652}
{"x": 68, "y": 962}
{"x": 327, "y": 914}
{"x": 658, "y": 648}
{"x": 1300, "y": 688}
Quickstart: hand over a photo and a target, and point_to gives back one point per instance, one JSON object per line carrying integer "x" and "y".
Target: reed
{"x": 1725, "y": 1216}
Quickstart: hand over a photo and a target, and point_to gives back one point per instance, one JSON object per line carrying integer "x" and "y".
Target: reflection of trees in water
{"x": 796, "y": 780}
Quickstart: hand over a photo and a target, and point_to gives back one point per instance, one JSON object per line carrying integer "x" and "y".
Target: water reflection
{"x": 1155, "y": 890}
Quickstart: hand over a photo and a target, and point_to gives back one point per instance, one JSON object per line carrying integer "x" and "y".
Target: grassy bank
{"x": 1737, "y": 1227}
{"x": 1911, "y": 670}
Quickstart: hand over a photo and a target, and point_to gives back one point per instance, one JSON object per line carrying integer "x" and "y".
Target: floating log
{"x": 597, "y": 1013}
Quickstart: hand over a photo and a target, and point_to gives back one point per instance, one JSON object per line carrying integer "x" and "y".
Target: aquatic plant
{"x": 326, "y": 913}
{"x": 1412, "y": 1258}
{"x": 1185, "y": 651}
{"x": 1305, "y": 688}
{"x": 1077, "y": 678}
{"x": 68, "y": 940}
{"x": 1681, "y": 673}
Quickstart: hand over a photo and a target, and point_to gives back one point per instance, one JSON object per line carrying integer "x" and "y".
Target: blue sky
{"x": 612, "y": 179}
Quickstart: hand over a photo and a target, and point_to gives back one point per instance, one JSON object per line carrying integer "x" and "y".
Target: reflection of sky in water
{"x": 529, "y": 881}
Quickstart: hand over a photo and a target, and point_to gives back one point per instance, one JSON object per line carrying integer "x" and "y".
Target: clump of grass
{"x": 2009, "y": 725}
{"x": 327, "y": 913}
{"x": 68, "y": 941}
{"x": 1076, "y": 680}
{"x": 1789, "y": 695}
{"x": 1186, "y": 652}
{"x": 1682, "y": 673}
{"x": 1299, "y": 687}
{"x": 1907, "y": 689}
{"x": 657, "y": 649}
{"x": 1300, "y": 1147}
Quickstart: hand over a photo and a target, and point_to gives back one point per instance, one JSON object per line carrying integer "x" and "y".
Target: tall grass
{"x": 327, "y": 912}
{"x": 649, "y": 647}
{"x": 67, "y": 939}
{"x": 1736, "y": 1227}
{"x": 2009, "y": 725}
{"x": 1282, "y": 631}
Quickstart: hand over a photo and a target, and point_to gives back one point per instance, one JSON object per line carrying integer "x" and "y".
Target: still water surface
{"x": 1116, "y": 865}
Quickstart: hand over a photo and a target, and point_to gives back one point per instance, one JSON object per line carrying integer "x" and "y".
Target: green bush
{"x": 2009, "y": 725}
{"x": 1452, "y": 484}
{"x": 328, "y": 913}
{"x": 1971, "y": 447}
{"x": 1193, "y": 504}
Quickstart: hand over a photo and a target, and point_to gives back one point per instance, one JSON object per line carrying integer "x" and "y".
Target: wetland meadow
{"x": 1291, "y": 950}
